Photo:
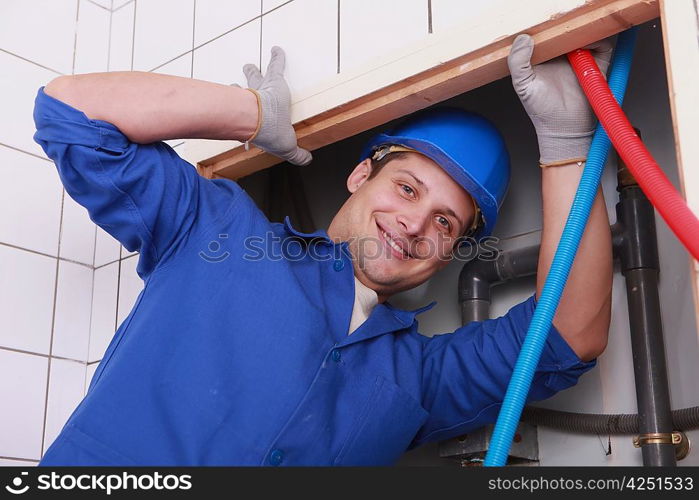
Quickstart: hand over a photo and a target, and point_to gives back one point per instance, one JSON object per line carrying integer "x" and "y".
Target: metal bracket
{"x": 677, "y": 438}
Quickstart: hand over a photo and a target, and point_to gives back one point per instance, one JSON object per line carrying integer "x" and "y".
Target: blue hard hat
{"x": 466, "y": 145}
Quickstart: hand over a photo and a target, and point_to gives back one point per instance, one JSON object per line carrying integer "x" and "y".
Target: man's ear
{"x": 359, "y": 175}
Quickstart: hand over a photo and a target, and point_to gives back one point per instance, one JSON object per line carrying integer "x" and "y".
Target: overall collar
{"x": 384, "y": 318}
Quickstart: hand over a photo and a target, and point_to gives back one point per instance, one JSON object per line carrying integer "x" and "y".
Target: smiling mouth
{"x": 397, "y": 249}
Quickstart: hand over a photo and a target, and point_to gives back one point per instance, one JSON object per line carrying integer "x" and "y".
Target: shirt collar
{"x": 408, "y": 315}
{"x": 321, "y": 233}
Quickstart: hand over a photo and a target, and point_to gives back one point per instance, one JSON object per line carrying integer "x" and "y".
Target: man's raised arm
{"x": 150, "y": 107}
{"x": 564, "y": 122}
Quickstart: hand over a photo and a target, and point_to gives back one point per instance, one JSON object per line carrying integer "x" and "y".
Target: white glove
{"x": 556, "y": 104}
{"x": 276, "y": 135}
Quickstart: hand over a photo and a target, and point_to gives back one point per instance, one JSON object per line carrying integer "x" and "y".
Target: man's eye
{"x": 407, "y": 189}
{"x": 444, "y": 222}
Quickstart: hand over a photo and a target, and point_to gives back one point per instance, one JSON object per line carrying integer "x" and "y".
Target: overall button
{"x": 276, "y": 457}
{"x": 339, "y": 265}
{"x": 336, "y": 355}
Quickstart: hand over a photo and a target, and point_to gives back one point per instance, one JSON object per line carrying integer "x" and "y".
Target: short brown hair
{"x": 376, "y": 165}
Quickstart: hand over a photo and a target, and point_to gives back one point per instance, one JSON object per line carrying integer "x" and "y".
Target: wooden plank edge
{"x": 554, "y": 37}
{"x": 681, "y": 164}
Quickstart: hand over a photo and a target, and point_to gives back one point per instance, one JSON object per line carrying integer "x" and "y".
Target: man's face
{"x": 402, "y": 224}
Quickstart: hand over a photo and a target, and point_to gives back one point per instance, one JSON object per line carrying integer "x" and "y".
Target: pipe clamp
{"x": 657, "y": 438}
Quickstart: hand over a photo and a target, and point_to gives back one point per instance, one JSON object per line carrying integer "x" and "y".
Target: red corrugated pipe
{"x": 656, "y": 186}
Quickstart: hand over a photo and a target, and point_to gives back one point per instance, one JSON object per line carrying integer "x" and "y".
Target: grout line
{"x": 100, "y": 6}
{"x": 108, "y": 263}
{"x": 171, "y": 60}
{"x": 53, "y": 356}
{"x": 338, "y": 36}
{"x": 206, "y": 43}
{"x": 121, "y": 6}
{"x": 26, "y": 152}
{"x": 75, "y": 39}
{"x": 277, "y": 7}
{"x": 203, "y": 44}
{"x": 94, "y": 249}
{"x": 30, "y": 61}
{"x": 429, "y": 17}
{"x": 259, "y": 54}
{"x": 89, "y": 333}
{"x": 194, "y": 27}
{"x": 111, "y": 5}
{"x": 64, "y": 259}
{"x": 22, "y": 459}
{"x": 109, "y": 40}
{"x": 222, "y": 34}
{"x": 53, "y": 324}
{"x": 60, "y": 222}
{"x": 46, "y": 404}
{"x": 116, "y": 316}
{"x": 133, "y": 34}
{"x": 17, "y": 247}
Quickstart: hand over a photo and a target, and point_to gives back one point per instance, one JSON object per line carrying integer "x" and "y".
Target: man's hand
{"x": 551, "y": 95}
{"x": 276, "y": 135}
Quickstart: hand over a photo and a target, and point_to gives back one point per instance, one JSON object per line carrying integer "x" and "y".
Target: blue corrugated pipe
{"x": 533, "y": 345}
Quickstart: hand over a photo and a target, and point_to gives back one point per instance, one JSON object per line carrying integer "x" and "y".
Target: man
{"x": 252, "y": 360}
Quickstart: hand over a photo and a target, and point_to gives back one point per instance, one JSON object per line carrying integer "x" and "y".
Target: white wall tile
{"x": 89, "y": 373}
{"x": 23, "y": 392}
{"x": 268, "y": 5}
{"x": 104, "y": 303}
{"x": 236, "y": 48}
{"x": 26, "y": 299}
{"x": 92, "y": 47}
{"x": 215, "y": 17}
{"x": 77, "y": 232}
{"x": 107, "y": 4}
{"x": 19, "y": 84}
{"x": 117, "y": 4}
{"x": 106, "y": 248}
{"x": 71, "y": 329}
{"x": 163, "y": 31}
{"x": 448, "y": 14}
{"x": 122, "y": 38}
{"x": 182, "y": 66}
{"x": 30, "y": 201}
{"x": 130, "y": 285}
{"x": 364, "y": 38}
{"x": 54, "y": 20}
{"x": 66, "y": 390}
{"x": 311, "y": 49}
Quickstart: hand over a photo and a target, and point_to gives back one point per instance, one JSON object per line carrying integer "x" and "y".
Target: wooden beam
{"x": 680, "y": 21}
{"x": 592, "y": 21}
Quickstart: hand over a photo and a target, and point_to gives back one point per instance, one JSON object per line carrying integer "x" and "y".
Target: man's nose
{"x": 413, "y": 223}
